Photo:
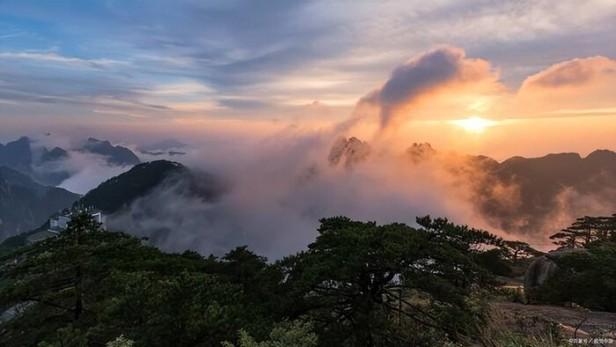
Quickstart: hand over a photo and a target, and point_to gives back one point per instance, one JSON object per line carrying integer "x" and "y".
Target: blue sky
{"x": 128, "y": 60}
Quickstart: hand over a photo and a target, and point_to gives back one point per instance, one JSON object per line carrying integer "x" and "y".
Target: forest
{"x": 357, "y": 284}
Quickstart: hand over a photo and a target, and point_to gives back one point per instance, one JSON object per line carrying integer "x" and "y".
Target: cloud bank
{"x": 275, "y": 199}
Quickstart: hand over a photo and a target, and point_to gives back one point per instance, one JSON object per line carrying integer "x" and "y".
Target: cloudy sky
{"x": 519, "y": 66}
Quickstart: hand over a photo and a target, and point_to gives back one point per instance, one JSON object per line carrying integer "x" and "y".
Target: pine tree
{"x": 586, "y": 230}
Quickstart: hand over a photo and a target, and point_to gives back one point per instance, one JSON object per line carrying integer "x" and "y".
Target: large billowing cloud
{"x": 433, "y": 72}
{"x": 583, "y": 86}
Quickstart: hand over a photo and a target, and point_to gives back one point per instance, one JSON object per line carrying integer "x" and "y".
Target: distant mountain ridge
{"x": 519, "y": 195}
{"x": 115, "y": 155}
{"x": 116, "y": 195}
{"x": 542, "y": 184}
{"x": 526, "y": 195}
{"x": 26, "y": 204}
{"x": 45, "y": 165}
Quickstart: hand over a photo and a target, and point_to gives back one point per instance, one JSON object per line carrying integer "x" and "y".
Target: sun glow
{"x": 474, "y": 124}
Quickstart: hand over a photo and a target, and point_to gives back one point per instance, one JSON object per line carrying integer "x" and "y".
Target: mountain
{"x": 119, "y": 192}
{"x": 348, "y": 151}
{"x": 42, "y": 165}
{"x": 55, "y": 154}
{"x": 50, "y": 169}
{"x": 115, "y": 155}
{"x": 520, "y": 195}
{"x": 26, "y": 204}
{"x": 164, "y": 145}
{"x": 531, "y": 195}
{"x": 47, "y": 166}
{"x": 144, "y": 182}
{"x": 17, "y": 155}
{"x": 419, "y": 152}
{"x": 541, "y": 186}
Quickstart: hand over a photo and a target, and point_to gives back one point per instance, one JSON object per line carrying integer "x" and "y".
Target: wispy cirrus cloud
{"x": 53, "y": 57}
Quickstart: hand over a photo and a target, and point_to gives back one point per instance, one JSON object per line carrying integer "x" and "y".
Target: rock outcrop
{"x": 541, "y": 270}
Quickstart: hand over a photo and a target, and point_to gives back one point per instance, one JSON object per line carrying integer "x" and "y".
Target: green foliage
{"x": 65, "y": 337}
{"x": 585, "y": 278}
{"x": 184, "y": 309}
{"x": 494, "y": 261}
{"x": 106, "y": 284}
{"x": 586, "y": 230}
{"x": 120, "y": 341}
{"x": 358, "y": 283}
{"x": 518, "y": 250}
{"x": 585, "y": 273}
{"x": 388, "y": 285}
{"x": 296, "y": 334}
{"x": 460, "y": 236}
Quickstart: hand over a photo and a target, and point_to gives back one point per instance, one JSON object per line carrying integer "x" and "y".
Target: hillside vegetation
{"x": 357, "y": 284}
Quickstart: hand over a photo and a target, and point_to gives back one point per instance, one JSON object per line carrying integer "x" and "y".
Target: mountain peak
{"x": 350, "y": 151}
{"x": 420, "y": 151}
{"x": 601, "y": 154}
{"x": 116, "y": 155}
{"x": 17, "y": 154}
{"x": 119, "y": 191}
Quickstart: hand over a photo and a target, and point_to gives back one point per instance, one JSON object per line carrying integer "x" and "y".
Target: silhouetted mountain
{"x": 120, "y": 191}
{"x": 527, "y": 194}
{"x": 540, "y": 186}
{"x": 115, "y": 155}
{"x": 420, "y": 151}
{"x": 153, "y": 153}
{"x": 117, "y": 192}
{"x": 46, "y": 166}
{"x": 49, "y": 169}
{"x": 162, "y": 146}
{"x": 17, "y": 155}
{"x": 25, "y": 204}
{"x": 55, "y": 154}
{"x": 43, "y": 166}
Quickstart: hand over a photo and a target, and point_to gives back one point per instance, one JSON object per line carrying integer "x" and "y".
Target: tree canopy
{"x": 357, "y": 284}
{"x": 586, "y": 230}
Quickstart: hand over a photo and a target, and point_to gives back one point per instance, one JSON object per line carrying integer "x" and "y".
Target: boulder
{"x": 542, "y": 269}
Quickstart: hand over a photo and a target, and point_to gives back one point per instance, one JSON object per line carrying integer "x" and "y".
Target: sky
{"x": 493, "y": 77}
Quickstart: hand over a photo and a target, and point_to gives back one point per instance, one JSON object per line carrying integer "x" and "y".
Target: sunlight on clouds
{"x": 474, "y": 124}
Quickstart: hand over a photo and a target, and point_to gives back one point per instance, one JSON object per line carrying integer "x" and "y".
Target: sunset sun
{"x": 474, "y": 124}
